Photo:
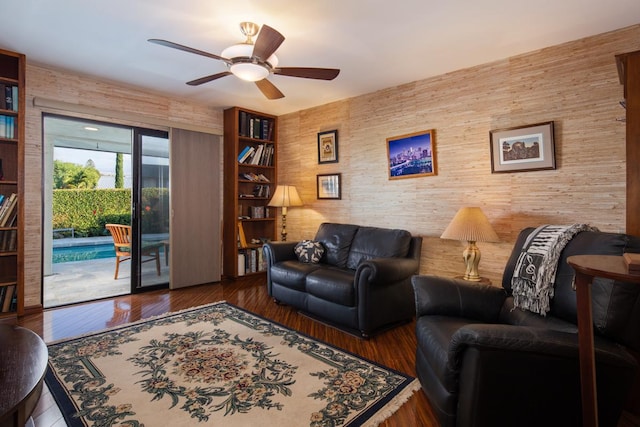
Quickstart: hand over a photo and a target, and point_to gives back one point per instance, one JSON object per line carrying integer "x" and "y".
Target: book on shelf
{"x": 257, "y": 212}
{"x": 242, "y": 240}
{"x": 7, "y": 297}
{"x": 241, "y": 264}
{"x": 6, "y": 210}
{"x": 257, "y": 157}
{"x": 246, "y": 154}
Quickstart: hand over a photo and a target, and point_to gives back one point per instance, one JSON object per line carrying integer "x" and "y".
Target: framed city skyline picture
{"x": 412, "y": 155}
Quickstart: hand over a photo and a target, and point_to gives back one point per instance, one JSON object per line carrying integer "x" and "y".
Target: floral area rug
{"x": 217, "y": 365}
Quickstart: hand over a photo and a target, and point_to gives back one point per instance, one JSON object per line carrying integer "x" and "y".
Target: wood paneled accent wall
{"x": 574, "y": 84}
{"x": 87, "y": 91}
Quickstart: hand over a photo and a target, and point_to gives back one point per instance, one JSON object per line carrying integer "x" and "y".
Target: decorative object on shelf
{"x": 412, "y": 155}
{"x": 328, "y": 147}
{"x": 522, "y": 149}
{"x": 285, "y": 196}
{"x": 471, "y": 225}
{"x": 328, "y": 186}
{"x": 254, "y": 63}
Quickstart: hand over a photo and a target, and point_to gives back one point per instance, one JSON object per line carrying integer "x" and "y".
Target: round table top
{"x": 23, "y": 363}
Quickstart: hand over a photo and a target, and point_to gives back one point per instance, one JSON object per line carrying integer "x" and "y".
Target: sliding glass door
{"x": 97, "y": 173}
{"x": 151, "y": 209}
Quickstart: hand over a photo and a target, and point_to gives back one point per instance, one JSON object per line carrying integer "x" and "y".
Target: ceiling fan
{"x": 255, "y": 62}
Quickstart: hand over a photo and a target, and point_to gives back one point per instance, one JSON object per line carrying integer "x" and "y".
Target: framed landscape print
{"x": 524, "y": 148}
{"x": 412, "y": 155}
{"x": 328, "y": 147}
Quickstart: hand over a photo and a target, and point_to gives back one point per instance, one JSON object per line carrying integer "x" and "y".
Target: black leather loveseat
{"x": 483, "y": 363}
{"x": 360, "y": 280}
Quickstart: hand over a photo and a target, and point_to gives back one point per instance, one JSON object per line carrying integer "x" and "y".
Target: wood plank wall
{"x": 574, "y": 84}
{"x": 65, "y": 86}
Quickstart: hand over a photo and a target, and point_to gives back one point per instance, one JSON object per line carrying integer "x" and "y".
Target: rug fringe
{"x": 393, "y": 405}
{"x": 136, "y": 322}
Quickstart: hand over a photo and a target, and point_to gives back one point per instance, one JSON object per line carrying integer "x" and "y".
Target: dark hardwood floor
{"x": 394, "y": 348}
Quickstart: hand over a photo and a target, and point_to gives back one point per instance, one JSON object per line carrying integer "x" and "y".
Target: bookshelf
{"x": 12, "y": 134}
{"x": 250, "y": 178}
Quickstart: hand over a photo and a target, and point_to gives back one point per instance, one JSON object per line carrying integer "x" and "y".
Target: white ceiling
{"x": 376, "y": 43}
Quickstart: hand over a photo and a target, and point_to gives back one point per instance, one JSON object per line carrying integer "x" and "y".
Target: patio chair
{"x": 121, "y": 235}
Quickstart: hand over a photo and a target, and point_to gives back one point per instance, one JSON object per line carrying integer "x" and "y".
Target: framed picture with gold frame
{"x": 412, "y": 155}
{"x": 328, "y": 147}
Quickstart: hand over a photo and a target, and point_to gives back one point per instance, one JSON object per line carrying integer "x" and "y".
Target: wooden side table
{"x": 587, "y": 267}
{"x": 23, "y": 363}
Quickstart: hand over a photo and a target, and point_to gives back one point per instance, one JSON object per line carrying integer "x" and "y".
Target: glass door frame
{"x": 136, "y": 211}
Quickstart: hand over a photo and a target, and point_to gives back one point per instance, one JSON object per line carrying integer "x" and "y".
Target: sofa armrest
{"x": 279, "y": 251}
{"x": 385, "y": 271}
{"x": 540, "y": 342}
{"x": 454, "y": 297}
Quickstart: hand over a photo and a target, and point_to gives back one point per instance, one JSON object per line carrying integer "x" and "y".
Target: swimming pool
{"x": 83, "y": 253}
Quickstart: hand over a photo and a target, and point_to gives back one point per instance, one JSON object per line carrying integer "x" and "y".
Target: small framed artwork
{"x": 412, "y": 155}
{"x": 328, "y": 147}
{"x": 329, "y": 186}
{"x": 524, "y": 148}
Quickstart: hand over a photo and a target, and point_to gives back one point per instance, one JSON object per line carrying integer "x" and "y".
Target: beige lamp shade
{"x": 471, "y": 225}
{"x": 285, "y": 196}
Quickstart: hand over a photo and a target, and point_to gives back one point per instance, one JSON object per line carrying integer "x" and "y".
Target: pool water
{"x": 83, "y": 253}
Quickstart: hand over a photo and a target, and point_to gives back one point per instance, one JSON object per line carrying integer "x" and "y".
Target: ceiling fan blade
{"x": 187, "y": 49}
{"x": 207, "y": 79}
{"x": 308, "y": 72}
{"x": 269, "y": 90}
{"x": 267, "y": 42}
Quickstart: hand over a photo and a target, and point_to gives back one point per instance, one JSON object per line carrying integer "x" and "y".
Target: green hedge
{"x": 87, "y": 211}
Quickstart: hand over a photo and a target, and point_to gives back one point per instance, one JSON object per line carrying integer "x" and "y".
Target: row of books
{"x": 8, "y": 298}
{"x": 261, "y": 155}
{"x": 8, "y": 240}
{"x": 8, "y": 97}
{"x": 250, "y": 176}
{"x": 253, "y": 126}
{"x": 251, "y": 260}
{"x": 7, "y": 127}
{"x": 253, "y": 212}
{"x": 8, "y": 210}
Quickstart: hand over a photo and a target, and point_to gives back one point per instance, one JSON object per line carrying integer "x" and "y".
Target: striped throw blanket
{"x": 535, "y": 271}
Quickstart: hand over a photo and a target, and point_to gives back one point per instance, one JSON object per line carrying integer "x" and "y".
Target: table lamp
{"x": 471, "y": 225}
{"x": 285, "y": 196}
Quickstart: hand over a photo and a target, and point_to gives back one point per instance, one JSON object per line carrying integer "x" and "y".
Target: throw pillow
{"x": 309, "y": 251}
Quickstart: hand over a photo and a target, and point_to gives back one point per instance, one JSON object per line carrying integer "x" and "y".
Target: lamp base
{"x": 471, "y": 257}
{"x": 481, "y": 280}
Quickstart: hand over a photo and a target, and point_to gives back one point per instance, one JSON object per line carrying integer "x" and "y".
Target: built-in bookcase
{"x": 12, "y": 117}
{"x": 250, "y": 175}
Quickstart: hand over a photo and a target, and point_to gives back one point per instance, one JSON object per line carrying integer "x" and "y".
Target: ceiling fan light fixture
{"x": 244, "y": 66}
{"x": 249, "y": 71}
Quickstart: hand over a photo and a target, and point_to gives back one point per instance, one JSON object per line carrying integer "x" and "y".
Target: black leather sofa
{"x": 483, "y": 363}
{"x": 362, "y": 282}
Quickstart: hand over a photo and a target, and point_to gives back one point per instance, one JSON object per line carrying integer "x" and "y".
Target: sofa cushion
{"x": 291, "y": 273}
{"x": 332, "y": 284}
{"x": 309, "y": 251}
{"x": 336, "y": 239}
{"x": 373, "y": 242}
